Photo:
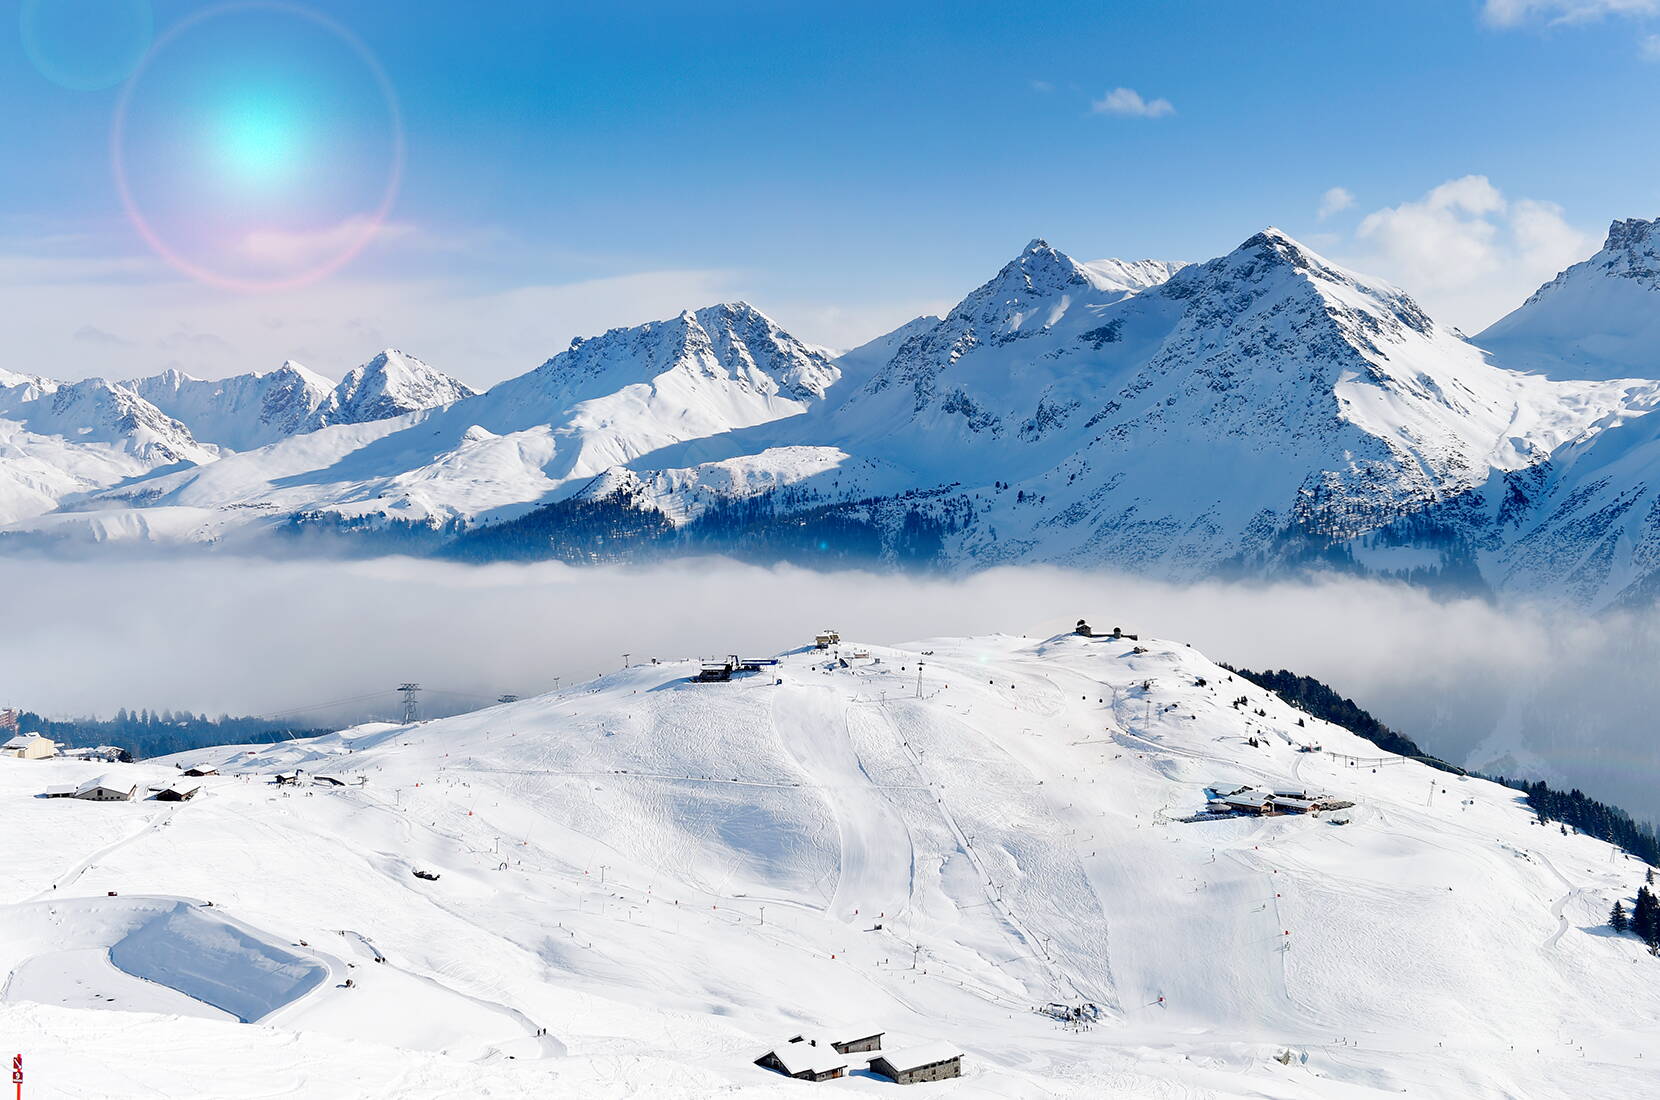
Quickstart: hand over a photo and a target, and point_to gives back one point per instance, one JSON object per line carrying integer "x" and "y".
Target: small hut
{"x": 106, "y": 788}
{"x": 805, "y": 1059}
{"x": 866, "y": 1041}
{"x": 29, "y": 746}
{"x": 928, "y": 1062}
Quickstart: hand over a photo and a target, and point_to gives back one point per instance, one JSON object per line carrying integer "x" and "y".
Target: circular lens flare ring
{"x": 364, "y": 226}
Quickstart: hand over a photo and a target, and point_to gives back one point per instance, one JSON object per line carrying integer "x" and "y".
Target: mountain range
{"x": 1264, "y": 412}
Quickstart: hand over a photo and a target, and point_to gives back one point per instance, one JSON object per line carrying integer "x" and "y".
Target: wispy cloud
{"x": 285, "y": 249}
{"x": 1128, "y": 103}
{"x": 1510, "y": 13}
{"x": 1043, "y": 86}
{"x": 88, "y": 334}
{"x": 1649, "y": 48}
{"x": 1335, "y": 200}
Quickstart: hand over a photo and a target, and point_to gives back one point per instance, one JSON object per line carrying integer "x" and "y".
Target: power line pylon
{"x": 410, "y": 709}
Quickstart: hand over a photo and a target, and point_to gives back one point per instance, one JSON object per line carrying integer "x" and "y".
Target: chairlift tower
{"x": 410, "y": 708}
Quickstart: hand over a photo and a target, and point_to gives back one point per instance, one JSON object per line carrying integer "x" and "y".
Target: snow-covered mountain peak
{"x": 391, "y": 384}
{"x": 728, "y": 344}
{"x": 294, "y": 369}
{"x": 1595, "y": 320}
{"x": 1632, "y": 250}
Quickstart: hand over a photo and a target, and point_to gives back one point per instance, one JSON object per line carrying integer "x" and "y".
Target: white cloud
{"x": 1510, "y": 13}
{"x": 1127, "y": 102}
{"x": 1649, "y": 48}
{"x": 1043, "y": 86}
{"x": 1468, "y": 253}
{"x": 1334, "y": 200}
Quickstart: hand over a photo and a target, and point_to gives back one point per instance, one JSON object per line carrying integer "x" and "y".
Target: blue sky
{"x": 568, "y": 168}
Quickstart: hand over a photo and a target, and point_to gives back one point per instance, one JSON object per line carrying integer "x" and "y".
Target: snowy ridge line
{"x": 1266, "y": 412}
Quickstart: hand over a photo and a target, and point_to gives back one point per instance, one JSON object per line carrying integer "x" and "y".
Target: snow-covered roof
{"x": 105, "y": 782}
{"x": 1249, "y": 798}
{"x": 58, "y": 790}
{"x": 23, "y": 740}
{"x": 915, "y": 1057}
{"x": 1294, "y": 803}
{"x": 805, "y": 1057}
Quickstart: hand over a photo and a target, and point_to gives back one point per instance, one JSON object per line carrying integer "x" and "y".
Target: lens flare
{"x": 85, "y": 45}
{"x": 260, "y": 139}
{"x": 258, "y": 146}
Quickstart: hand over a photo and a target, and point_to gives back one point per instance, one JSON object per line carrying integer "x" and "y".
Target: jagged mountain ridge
{"x": 1254, "y": 412}
{"x": 247, "y": 411}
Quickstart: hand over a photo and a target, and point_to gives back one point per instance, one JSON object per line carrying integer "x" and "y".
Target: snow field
{"x": 694, "y": 872}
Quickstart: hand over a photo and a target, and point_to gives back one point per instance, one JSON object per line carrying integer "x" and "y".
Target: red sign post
{"x": 17, "y": 1074}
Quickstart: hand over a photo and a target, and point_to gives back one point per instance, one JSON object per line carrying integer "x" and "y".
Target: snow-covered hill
{"x": 932, "y": 841}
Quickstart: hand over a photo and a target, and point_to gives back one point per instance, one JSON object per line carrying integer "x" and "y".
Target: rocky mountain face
{"x": 1264, "y": 411}
{"x": 244, "y": 411}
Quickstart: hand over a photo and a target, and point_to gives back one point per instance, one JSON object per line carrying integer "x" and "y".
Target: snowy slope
{"x": 1598, "y": 319}
{"x": 670, "y": 877}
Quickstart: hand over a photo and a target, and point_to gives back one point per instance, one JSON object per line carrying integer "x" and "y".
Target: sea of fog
{"x": 1517, "y": 690}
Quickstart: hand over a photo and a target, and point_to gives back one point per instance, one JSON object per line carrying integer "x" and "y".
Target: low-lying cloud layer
{"x": 1513, "y": 690}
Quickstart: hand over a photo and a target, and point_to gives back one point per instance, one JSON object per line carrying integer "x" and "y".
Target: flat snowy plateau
{"x": 934, "y": 841}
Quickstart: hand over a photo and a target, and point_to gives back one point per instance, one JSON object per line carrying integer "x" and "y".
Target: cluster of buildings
{"x": 1237, "y": 798}
{"x": 811, "y": 1058}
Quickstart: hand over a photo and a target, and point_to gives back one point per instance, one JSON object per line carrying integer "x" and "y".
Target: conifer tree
{"x": 1617, "y": 919}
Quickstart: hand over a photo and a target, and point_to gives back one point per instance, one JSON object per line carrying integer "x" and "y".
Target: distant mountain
{"x": 247, "y": 411}
{"x": 243, "y": 411}
{"x": 1597, "y": 319}
{"x": 391, "y": 384}
{"x": 60, "y": 439}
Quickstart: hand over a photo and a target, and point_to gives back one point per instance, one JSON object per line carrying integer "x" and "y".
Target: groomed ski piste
{"x": 644, "y": 883}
